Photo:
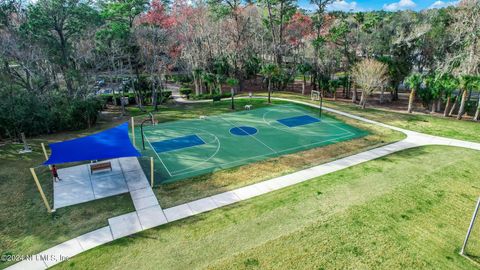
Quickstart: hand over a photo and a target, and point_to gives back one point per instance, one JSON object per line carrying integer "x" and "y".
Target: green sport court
{"x": 194, "y": 147}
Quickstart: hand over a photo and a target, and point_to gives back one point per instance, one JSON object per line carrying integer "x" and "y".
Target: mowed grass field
{"x": 408, "y": 210}
{"x": 26, "y": 227}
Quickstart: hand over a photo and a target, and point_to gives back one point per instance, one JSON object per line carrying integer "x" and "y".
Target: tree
{"x": 57, "y": 25}
{"x": 319, "y": 20}
{"x": 466, "y": 84}
{"x": 154, "y": 37}
{"x": 269, "y": 71}
{"x": 304, "y": 69}
{"x": 448, "y": 83}
{"x": 279, "y": 13}
{"x": 237, "y": 22}
{"x": 476, "y": 86}
{"x": 340, "y": 35}
{"x": 120, "y": 17}
{"x": 414, "y": 82}
{"x": 370, "y": 75}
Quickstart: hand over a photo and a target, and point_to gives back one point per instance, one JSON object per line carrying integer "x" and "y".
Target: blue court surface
{"x": 243, "y": 131}
{"x": 177, "y": 143}
{"x": 190, "y": 148}
{"x": 298, "y": 120}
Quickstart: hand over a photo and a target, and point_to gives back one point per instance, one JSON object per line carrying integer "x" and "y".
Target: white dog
{"x": 203, "y": 117}
{"x": 248, "y": 107}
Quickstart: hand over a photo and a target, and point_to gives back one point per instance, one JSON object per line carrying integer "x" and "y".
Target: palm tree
{"x": 232, "y": 83}
{"x": 434, "y": 89}
{"x": 448, "y": 83}
{"x": 209, "y": 79}
{"x": 269, "y": 71}
{"x": 476, "y": 86}
{"x": 304, "y": 69}
{"x": 332, "y": 87}
{"x": 466, "y": 83}
{"x": 414, "y": 82}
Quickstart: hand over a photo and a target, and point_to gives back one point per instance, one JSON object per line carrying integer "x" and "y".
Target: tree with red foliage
{"x": 157, "y": 47}
{"x": 299, "y": 29}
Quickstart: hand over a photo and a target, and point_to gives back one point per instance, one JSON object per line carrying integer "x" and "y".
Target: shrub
{"x": 185, "y": 91}
{"x": 208, "y": 96}
{"x": 42, "y": 114}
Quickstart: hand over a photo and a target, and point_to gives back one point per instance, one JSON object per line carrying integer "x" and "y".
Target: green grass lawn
{"x": 26, "y": 228}
{"x": 408, "y": 210}
{"x": 434, "y": 125}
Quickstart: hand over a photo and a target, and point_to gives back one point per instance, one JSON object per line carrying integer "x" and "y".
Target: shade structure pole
{"x": 133, "y": 131}
{"x": 39, "y": 187}
{"x": 151, "y": 171}
{"x": 45, "y": 153}
{"x": 472, "y": 222}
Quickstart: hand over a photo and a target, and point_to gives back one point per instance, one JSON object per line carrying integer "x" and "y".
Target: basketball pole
{"x": 151, "y": 171}
{"x": 39, "y": 187}
{"x": 320, "y": 106}
{"x": 133, "y": 131}
{"x": 472, "y": 222}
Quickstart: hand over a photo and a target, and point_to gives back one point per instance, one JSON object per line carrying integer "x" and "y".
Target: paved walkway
{"x": 149, "y": 214}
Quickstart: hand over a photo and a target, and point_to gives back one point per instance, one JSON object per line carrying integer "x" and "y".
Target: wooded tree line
{"x": 53, "y": 53}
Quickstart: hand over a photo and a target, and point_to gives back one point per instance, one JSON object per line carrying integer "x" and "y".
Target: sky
{"x": 388, "y": 5}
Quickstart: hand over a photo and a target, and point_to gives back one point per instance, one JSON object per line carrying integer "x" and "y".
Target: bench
{"x": 100, "y": 166}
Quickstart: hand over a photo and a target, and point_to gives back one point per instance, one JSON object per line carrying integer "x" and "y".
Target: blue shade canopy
{"x": 110, "y": 143}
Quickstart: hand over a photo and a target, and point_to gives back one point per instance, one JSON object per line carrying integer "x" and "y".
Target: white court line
{"x": 174, "y": 173}
{"x": 153, "y": 149}
{"x": 184, "y": 171}
{"x": 289, "y": 130}
{"x": 295, "y": 108}
{"x": 284, "y": 129}
{"x": 250, "y": 134}
{"x": 264, "y": 155}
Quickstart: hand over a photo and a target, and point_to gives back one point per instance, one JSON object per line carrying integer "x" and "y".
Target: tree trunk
{"x": 154, "y": 94}
{"x": 382, "y": 95}
{"x": 362, "y": 98}
{"x": 461, "y": 111}
{"x": 453, "y": 107}
{"x": 354, "y": 95}
{"x": 195, "y": 81}
{"x": 314, "y": 81}
{"x": 364, "y": 104}
{"x": 304, "y": 83}
{"x": 349, "y": 86}
{"x": 447, "y": 106}
{"x": 395, "y": 92}
{"x": 477, "y": 112}
{"x": 219, "y": 86}
{"x": 434, "y": 104}
{"x": 411, "y": 99}
{"x": 269, "y": 90}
